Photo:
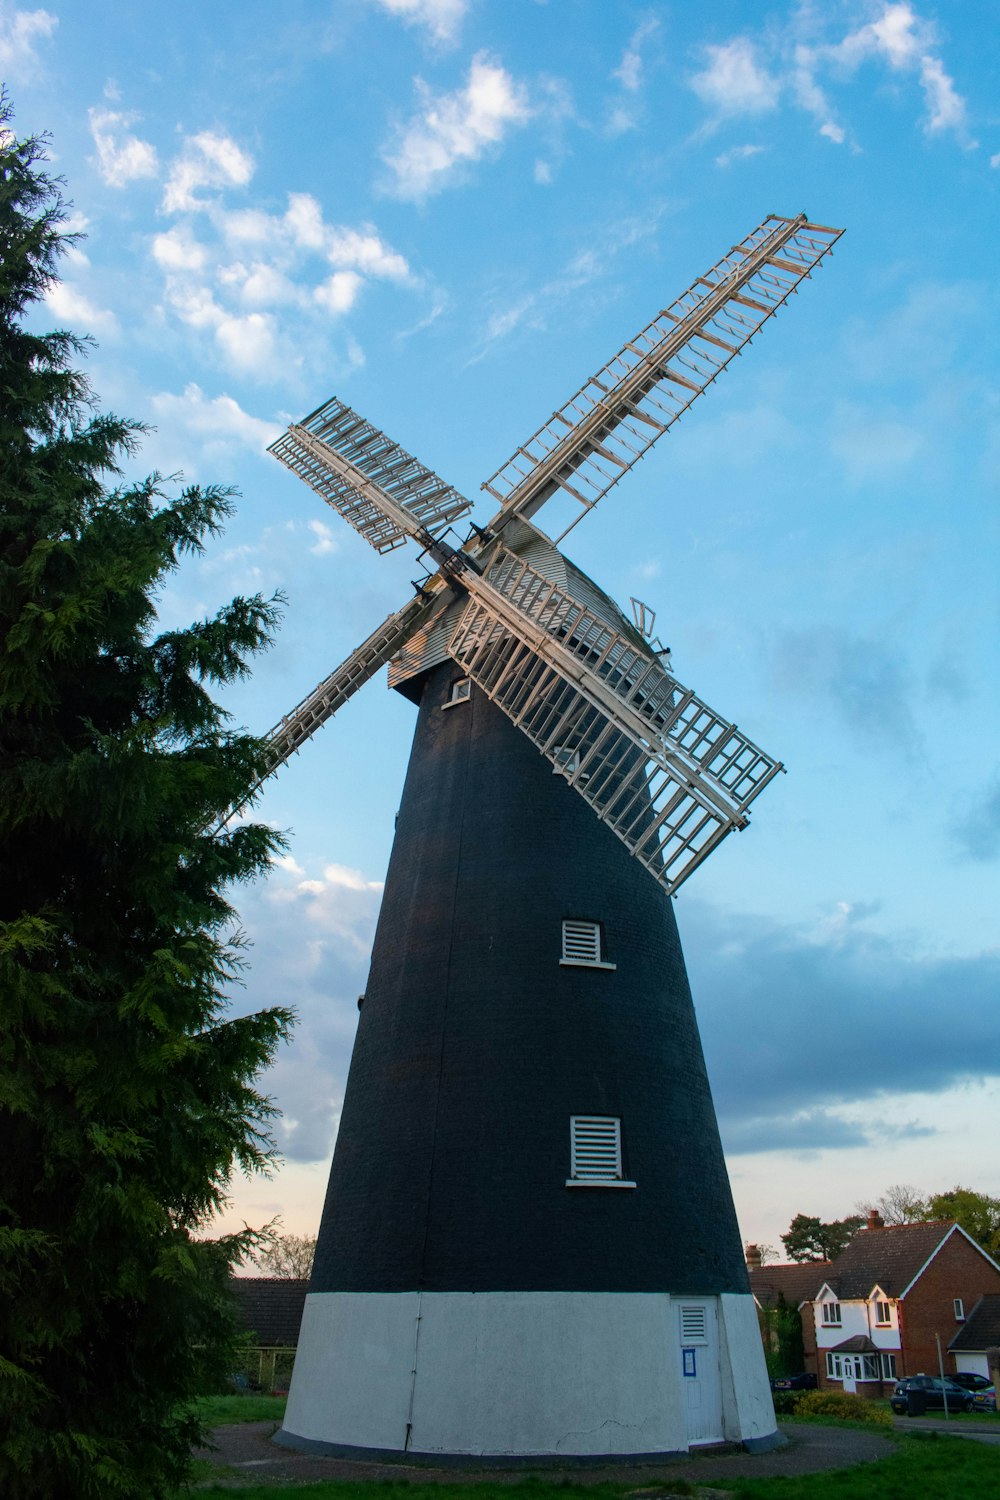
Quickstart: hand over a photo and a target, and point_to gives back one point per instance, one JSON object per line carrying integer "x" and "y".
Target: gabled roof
{"x": 890, "y": 1258}
{"x": 271, "y": 1308}
{"x": 798, "y": 1282}
{"x": 981, "y": 1329}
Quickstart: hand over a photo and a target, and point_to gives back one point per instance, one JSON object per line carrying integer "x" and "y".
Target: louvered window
{"x": 595, "y": 1144}
{"x": 461, "y": 691}
{"x": 694, "y": 1325}
{"x": 581, "y": 944}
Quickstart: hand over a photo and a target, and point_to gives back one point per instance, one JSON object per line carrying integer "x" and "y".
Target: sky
{"x": 449, "y": 213}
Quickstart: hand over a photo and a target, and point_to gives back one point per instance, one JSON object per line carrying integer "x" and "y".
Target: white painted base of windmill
{"x": 559, "y": 1374}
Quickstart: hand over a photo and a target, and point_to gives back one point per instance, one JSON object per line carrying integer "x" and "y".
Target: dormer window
{"x": 567, "y": 761}
{"x": 883, "y": 1314}
{"x": 461, "y": 692}
{"x": 831, "y": 1315}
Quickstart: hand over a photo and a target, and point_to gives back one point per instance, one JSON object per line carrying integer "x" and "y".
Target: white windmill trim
{"x": 510, "y": 1374}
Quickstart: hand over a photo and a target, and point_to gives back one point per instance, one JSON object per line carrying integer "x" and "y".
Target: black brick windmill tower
{"x": 529, "y": 1246}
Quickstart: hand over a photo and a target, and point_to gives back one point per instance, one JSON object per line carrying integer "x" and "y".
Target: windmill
{"x": 528, "y": 1245}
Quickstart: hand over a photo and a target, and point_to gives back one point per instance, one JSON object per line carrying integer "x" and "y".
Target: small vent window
{"x": 596, "y": 1152}
{"x": 582, "y": 944}
{"x": 694, "y": 1329}
{"x": 461, "y": 692}
{"x": 959, "y": 1310}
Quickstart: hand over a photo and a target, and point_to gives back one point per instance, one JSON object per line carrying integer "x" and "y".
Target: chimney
{"x": 753, "y": 1258}
{"x": 875, "y": 1219}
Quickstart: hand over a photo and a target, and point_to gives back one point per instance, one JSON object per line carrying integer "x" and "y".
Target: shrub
{"x": 841, "y": 1404}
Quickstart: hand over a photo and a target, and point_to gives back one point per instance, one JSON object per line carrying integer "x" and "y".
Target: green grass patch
{"x": 924, "y": 1465}
{"x": 218, "y": 1411}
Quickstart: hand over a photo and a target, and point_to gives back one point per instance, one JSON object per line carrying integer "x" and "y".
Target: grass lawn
{"x": 924, "y": 1467}
{"x": 216, "y": 1411}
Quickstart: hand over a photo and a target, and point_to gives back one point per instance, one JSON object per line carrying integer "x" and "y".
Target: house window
{"x": 888, "y": 1367}
{"x": 582, "y": 945}
{"x": 871, "y": 1367}
{"x": 833, "y": 1367}
{"x": 831, "y": 1314}
{"x": 595, "y": 1151}
{"x": 959, "y": 1310}
{"x": 883, "y": 1313}
{"x": 461, "y": 692}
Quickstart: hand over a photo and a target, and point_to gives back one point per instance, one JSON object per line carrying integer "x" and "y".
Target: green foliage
{"x": 287, "y": 1255}
{"x": 127, "y": 1095}
{"x": 842, "y": 1404}
{"x": 978, "y": 1214}
{"x": 810, "y": 1239}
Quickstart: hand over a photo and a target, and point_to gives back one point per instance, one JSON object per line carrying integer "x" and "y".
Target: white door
{"x": 852, "y": 1373}
{"x": 698, "y": 1354}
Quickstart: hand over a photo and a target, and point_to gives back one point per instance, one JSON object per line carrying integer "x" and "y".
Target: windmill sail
{"x": 663, "y": 770}
{"x": 598, "y": 435}
{"x": 381, "y": 490}
{"x": 290, "y": 734}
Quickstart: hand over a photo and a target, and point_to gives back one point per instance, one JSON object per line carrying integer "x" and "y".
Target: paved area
{"x": 247, "y": 1451}
{"x": 982, "y": 1432}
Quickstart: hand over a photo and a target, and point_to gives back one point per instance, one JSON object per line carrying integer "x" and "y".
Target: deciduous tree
{"x": 127, "y": 1094}
{"x": 287, "y": 1255}
{"x": 810, "y": 1239}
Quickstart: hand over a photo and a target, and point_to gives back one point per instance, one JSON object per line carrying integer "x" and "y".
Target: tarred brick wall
{"x": 958, "y": 1270}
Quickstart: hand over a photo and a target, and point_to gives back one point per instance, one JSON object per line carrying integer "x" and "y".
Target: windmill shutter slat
{"x": 582, "y": 942}
{"x": 595, "y": 1147}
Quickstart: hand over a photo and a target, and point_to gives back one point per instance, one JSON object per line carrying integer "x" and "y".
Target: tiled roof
{"x": 799, "y": 1282}
{"x": 271, "y": 1307}
{"x": 889, "y": 1258}
{"x": 858, "y": 1343}
{"x": 981, "y": 1329}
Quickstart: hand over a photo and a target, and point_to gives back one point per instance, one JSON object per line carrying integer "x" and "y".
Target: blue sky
{"x": 449, "y": 213}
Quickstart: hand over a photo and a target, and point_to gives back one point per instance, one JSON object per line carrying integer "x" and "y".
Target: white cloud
{"x": 339, "y": 293}
{"x": 734, "y": 82}
{"x": 178, "y": 250}
{"x": 207, "y": 160}
{"x": 451, "y": 129}
{"x": 903, "y": 40}
{"x": 121, "y": 158}
{"x": 74, "y": 307}
{"x": 442, "y": 18}
{"x": 218, "y": 418}
{"x": 995, "y": 160}
{"x": 542, "y": 172}
{"x": 325, "y": 539}
{"x": 248, "y": 342}
{"x": 629, "y": 70}
{"x": 737, "y": 153}
{"x": 20, "y": 30}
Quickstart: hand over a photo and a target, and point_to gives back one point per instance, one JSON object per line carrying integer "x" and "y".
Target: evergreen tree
{"x": 810, "y": 1239}
{"x": 127, "y": 1096}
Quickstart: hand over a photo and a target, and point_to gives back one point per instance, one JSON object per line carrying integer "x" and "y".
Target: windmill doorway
{"x": 701, "y": 1379}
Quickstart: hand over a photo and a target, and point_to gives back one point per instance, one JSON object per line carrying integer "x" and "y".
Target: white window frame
{"x": 888, "y": 1366}
{"x": 959, "y": 1310}
{"x": 833, "y": 1367}
{"x": 880, "y": 1321}
{"x": 832, "y": 1315}
{"x": 577, "y": 932}
{"x": 461, "y": 692}
{"x": 595, "y": 1152}
{"x": 567, "y": 762}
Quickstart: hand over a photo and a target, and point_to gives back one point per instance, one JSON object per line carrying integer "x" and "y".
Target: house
{"x": 979, "y": 1332}
{"x": 270, "y": 1309}
{"x": 892, "y": 1297}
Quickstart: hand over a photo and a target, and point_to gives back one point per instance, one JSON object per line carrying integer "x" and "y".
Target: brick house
{"x": 894, "y": 1288}
{"x": 871, "y": 1315}
{"x": 270, "y": 1310}
{"x": 979, "y": 1332}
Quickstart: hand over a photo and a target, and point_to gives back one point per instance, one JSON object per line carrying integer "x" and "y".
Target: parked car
{"x": 932, "y": 1391}
{"x": 805, "y": 1381}
{"x": 985, "y": 1400}
{"x": 971, "y": 1382}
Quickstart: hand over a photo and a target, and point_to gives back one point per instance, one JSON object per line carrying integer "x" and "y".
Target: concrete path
{"x": 964, "y": 1427}
{"x": 247, "y": 1452}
